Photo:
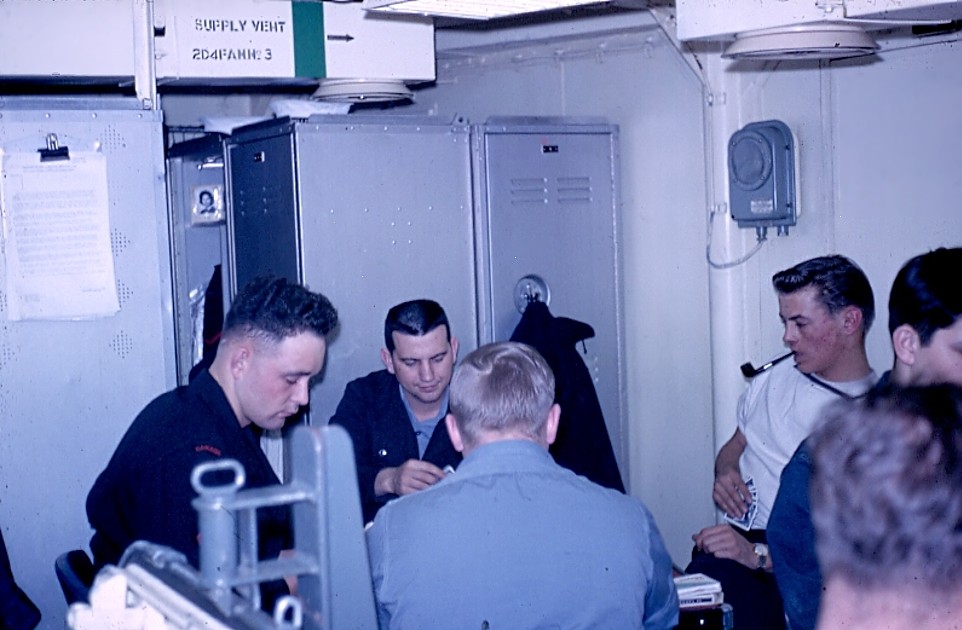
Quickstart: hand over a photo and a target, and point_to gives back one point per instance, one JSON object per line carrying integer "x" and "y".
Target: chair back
{"x": 75, "y": 572}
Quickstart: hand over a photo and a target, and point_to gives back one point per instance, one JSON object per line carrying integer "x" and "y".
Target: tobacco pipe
{"x": 749, "y": 371}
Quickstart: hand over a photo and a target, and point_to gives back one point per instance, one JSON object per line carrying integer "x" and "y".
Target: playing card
{"x": 748, "y": 518}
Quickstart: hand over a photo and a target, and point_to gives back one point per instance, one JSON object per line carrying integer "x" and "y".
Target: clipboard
{"x": 55, "y": 210}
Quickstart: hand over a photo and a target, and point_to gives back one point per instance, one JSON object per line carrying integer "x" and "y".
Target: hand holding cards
{"x": 746, "y": 520}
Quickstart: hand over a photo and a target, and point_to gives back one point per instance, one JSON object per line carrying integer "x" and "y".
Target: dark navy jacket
{"x": 145, "y": 493}
{"x": 17, "y": 612}
{"x": 374, "y": 415}
{"x": 583, "y": 444}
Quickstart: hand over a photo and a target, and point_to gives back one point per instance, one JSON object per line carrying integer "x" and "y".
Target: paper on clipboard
{"x": 56, "y": 237}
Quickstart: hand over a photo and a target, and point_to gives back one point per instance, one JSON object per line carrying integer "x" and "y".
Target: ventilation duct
{"x": 820, "y": 40}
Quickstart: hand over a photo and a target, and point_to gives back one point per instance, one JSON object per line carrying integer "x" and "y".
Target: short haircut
{"x": 838, "y": 281}
{"x": 887, "y": 489}
{"x": 926, "y": 293}
{"x": 272, "y": 309}
{"x": 416, "y": 317}
{"x": 502, "y": 387}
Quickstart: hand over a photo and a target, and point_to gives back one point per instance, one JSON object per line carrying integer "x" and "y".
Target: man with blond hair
{"x": 512, "y": 539}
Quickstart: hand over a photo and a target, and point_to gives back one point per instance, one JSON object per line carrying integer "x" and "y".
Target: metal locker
{"x": 369, "y": 210}
{"x": 198, "y": 237}
{"x": 547, "y": 192}
{"x": 70, "y": 389}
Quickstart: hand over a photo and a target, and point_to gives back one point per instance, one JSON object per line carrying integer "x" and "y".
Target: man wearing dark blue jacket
{"x": 273, "y": 344}
{"x": 395, "y": 416}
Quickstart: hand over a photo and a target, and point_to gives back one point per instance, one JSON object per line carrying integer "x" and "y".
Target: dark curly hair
{"x": 275, "y": 308}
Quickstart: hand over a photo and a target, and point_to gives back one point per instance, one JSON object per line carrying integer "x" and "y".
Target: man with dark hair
{"x": 887, "y": 506}
{"x": 273, "y": 343}
{"x": 925, "y": 319}
{"x": 395, "y": 416}
{"x": 925, "y": 324}
{"x": 827, "y": 306}
{"x": 512, "y": 539}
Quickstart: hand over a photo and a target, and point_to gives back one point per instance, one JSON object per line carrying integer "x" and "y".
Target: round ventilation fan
{"x": 821, "y": 40}
{"x": 361, "y": 91}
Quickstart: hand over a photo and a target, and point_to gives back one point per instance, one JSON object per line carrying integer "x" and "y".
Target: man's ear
{"x": 454, "y": 348}
{"x": 852, "y": 319}
{"x": 551, "y": 426}
{"x": 240, "y": 357}
{"x": 906, "y": 344}
{"x": 454, "y": 433}
{"x": 386, "y": 358}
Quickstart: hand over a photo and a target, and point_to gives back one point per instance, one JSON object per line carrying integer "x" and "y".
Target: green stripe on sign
{"x": 309, "y": 39}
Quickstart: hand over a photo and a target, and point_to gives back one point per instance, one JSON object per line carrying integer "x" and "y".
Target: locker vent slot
{"x": 529, "y": 190}
{"x": 574, "y": 190}
{"x": 124, "y": 293}
{"x": 118, "y": 242}
{"x": 113, "y": 139}
{"x": 7, "y": 355}
{"x": 122, "y": 344}
{"x": 568, "y": 191}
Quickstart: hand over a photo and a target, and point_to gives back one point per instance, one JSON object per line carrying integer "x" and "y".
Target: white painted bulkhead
{"x": 877, "y": 181}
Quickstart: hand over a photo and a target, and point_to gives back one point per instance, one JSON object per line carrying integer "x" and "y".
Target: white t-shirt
{"x": 777, "y": 411}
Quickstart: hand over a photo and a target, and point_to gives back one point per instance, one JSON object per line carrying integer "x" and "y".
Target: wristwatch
{"x": 761, "y": 553}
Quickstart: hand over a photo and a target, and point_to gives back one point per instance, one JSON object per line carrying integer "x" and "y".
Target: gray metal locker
{"x": 198, "y": 236}
{"x": 70, "y": 389}
{"x": 371, "y": 211}
{"x": 547, "y": 190}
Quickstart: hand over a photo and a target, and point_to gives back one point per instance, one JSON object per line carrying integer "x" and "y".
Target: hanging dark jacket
{"x": 583, "y": 444}
{"x": 17, "y": 612}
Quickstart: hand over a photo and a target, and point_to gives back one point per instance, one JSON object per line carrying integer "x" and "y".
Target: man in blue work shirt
{"x": 512, "y": 539}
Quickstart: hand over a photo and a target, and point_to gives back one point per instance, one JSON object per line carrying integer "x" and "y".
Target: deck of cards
{"x": 746, "y": 520}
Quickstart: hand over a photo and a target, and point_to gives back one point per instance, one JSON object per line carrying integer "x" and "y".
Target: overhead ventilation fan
{"x": 361, "y": 91}
{"x": 818, "y": 40}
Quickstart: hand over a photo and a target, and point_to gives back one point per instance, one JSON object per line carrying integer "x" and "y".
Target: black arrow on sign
{"x": 339, "y": 38}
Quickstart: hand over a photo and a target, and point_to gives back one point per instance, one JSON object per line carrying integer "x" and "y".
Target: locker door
{"x": 548, "y": 194}
{"x": 70, "y": 389}
{"x": 262, "y": 224}
{"x": 386, "y": 217}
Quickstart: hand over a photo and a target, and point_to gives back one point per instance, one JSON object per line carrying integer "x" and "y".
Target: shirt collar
{"x": 442, "y": 409}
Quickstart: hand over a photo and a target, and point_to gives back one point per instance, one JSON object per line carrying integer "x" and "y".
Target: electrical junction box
{"x": 761, "y": 176}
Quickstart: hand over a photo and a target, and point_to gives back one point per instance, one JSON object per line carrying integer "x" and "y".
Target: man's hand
{"x": 730, "y": 493}
{"x": 411, "y": 476}
{"x": 724, "y": 542}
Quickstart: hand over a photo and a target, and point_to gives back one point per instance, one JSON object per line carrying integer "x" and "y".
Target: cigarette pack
{"x": 697, "y": 590}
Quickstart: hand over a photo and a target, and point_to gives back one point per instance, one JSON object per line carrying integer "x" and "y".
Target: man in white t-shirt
{"x": 827, "y": 306}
